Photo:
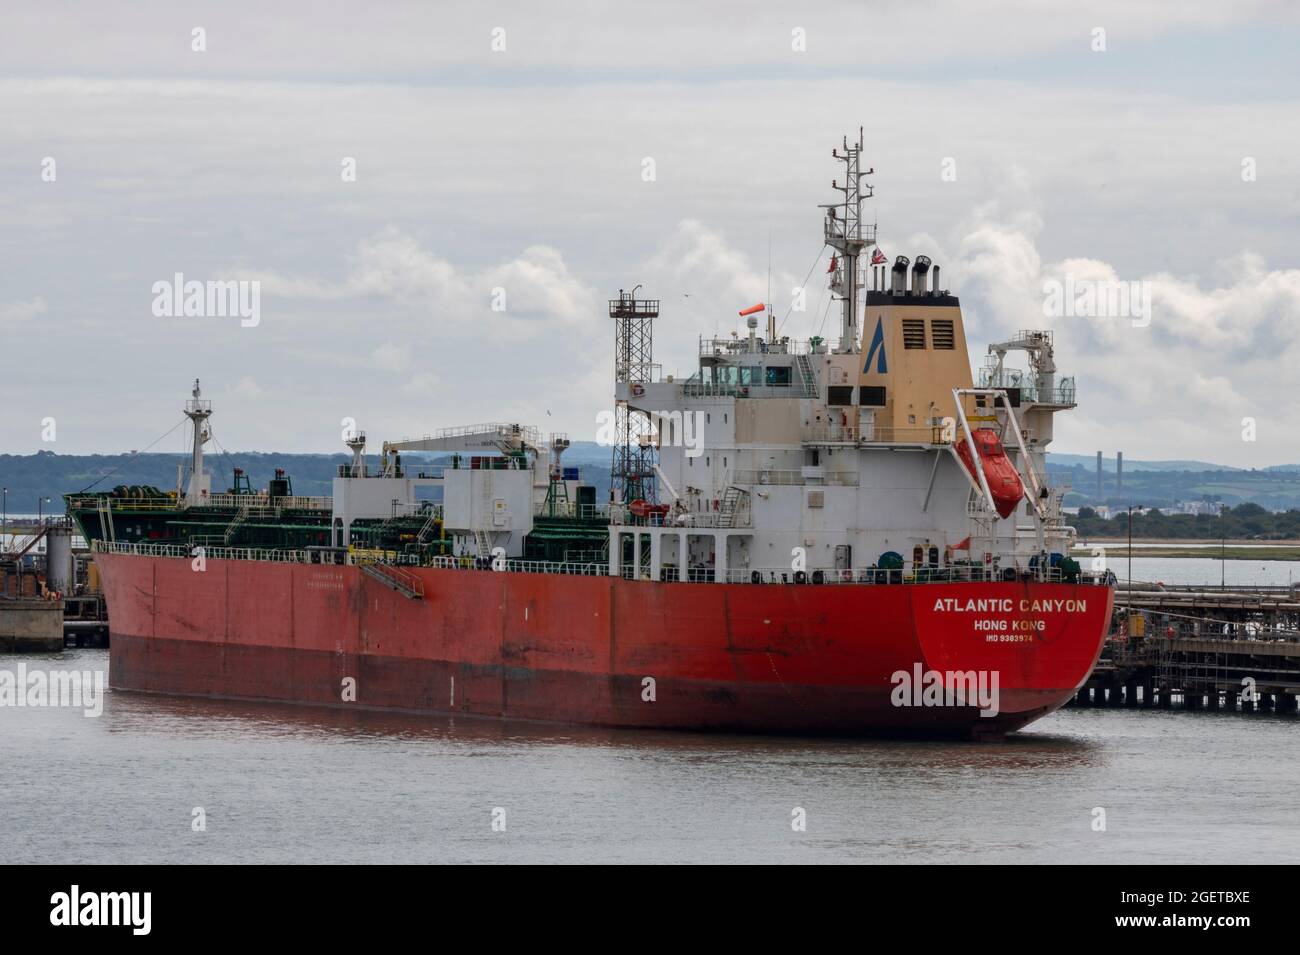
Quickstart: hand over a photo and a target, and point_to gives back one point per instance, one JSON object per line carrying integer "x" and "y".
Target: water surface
{"x": 297, "y": 784}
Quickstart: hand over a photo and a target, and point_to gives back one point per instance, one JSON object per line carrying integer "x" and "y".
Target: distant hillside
{"x": 1089, "y": 461}
{"x": 1157, "y": 484}
{"x": 1275, "y": 489}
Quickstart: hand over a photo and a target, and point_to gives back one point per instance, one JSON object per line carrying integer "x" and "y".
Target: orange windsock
{"x": 753, "y": 308}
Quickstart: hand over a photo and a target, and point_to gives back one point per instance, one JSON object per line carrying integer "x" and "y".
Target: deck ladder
{"x": 806, "y": 375}
{"x": 732, "y": 499}
{"x": 395, "y": 578}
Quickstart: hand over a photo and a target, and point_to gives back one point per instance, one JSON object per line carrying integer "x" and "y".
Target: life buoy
{"x": 638, "y": 390}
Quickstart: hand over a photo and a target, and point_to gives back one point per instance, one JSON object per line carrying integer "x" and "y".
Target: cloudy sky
{"x": 520, "y": 168}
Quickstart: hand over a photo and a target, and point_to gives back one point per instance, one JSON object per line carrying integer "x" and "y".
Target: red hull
{"x": 742, "y": 657}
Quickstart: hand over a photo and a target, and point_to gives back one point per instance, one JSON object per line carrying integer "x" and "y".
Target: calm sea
{"x": 295, "y": 784}
{"x": 1206, "y": 570}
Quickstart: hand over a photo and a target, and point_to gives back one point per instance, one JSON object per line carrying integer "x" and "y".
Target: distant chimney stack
{"x": 920, "y": 275}
{"x": 934, "y": 288}
{"x": 900, "y": 275}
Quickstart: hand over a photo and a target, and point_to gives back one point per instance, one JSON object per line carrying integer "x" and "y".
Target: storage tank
{"x": 58, "y": 559}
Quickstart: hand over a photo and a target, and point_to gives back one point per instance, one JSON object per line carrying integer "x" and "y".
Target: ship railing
{"x": 622, "y": 516}
{"x": 1064, "y": 393}
{"x": 413, "y": 509}
{"x": 823, "y": 576}
{"x": 193, "y": 551}
{"x": 722, "y": 347}
{"x": 124, "y": 503}
{"x": 808, "y": 475}
{"x": 571, "y": 509}
{"x": 877, "y": 575}
{"x": 867, "y": 434}
{"x": 502, "y": 430}
{"x": 704, "y": 389}
{"x": 289, "y": 502}
{"x": 591, "y": 569}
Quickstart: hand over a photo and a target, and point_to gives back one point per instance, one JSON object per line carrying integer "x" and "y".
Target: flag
{"x": 835, "y": 264}
{"x": 753, "y": 308}
{"x": 878, "y": 258}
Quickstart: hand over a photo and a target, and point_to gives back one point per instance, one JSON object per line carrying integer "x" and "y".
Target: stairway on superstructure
{"x": 728, "y": 509}
{"x": 806, "y": 375}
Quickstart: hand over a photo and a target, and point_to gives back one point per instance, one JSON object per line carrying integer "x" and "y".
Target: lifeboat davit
{"x": 1003, "y": 479}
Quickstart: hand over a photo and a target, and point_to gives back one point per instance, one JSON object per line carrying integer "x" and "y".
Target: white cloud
{"x": 248, "y": 388}
{"x": 1176, "y": 389}
{"x": 23, "y": 311}
{"x": 535, "y": 290}
{"x": 390, "y": 357}
{"x": 477, "y": 171}
{"x": 413, "y": 39}
{"x": 425, "y": 384}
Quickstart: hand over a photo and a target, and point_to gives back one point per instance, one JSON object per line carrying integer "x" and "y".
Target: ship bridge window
{"x": 777, "y": 377}
{"x": 873, "y": 396}
{"x": 913, "y": 333}
{"x": 839, "y": 395}
{"x": 941, "y": 333}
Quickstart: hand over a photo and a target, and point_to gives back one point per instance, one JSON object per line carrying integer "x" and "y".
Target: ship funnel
{"x": 899, "y": 286}
{"x": 934, "y": 288}
{"x": 920, "y": 274}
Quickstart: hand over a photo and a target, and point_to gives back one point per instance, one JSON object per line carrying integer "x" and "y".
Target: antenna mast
{"x": 632, "y": 475}
{"x": 198, "y": 411}
{"x": 847, "y": 236}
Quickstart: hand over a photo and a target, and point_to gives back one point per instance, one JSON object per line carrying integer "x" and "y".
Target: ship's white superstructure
{"x": 785, "y": 458}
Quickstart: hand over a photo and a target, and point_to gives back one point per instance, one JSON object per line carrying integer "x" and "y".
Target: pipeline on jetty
{"x": 1200, "y": 647}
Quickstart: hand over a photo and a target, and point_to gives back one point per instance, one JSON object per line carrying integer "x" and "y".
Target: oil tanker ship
{"x": 849, "y": 537}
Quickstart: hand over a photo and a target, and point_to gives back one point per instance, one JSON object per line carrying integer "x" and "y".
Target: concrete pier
{"x": 31, "y": 626}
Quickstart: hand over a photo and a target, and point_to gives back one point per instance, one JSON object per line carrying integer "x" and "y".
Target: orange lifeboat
{"x": 1004, "y": 481}
{"x": 646, "y": 511}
